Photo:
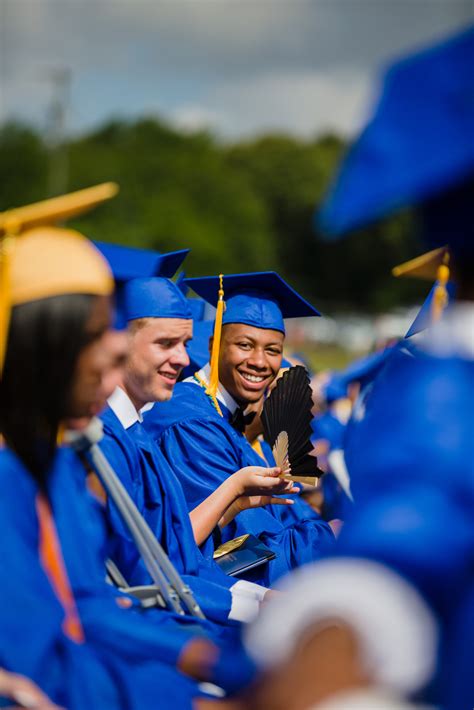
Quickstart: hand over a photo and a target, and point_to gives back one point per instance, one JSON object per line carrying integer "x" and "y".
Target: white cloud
{"x": 192, "y": 117}
{"x": 306, "y": 104}
{"x": 237, "y": 65}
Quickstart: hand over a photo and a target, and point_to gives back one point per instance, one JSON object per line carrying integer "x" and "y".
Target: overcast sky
{"x": 240, "y": 67}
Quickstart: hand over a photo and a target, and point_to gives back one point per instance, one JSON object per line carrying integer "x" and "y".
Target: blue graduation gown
{"x": 118, "y": 666}
{"x": 410, "y": 453}
{"x": 329, "y": 429}
{"x": 204, "y": 449}
{"x": 158, "y": 495}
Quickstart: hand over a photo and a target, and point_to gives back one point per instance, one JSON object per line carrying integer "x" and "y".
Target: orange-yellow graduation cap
{"x": 38, "y": 259}
{"x": 423, "y": 267}
{"x": 432, "y": 266}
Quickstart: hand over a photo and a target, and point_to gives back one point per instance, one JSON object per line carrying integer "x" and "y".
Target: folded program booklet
{"x": 242, "y": 554}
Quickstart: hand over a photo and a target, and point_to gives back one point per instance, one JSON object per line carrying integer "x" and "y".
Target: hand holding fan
{"x": 286, "y": 419}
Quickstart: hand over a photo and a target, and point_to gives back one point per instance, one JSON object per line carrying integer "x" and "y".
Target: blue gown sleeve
{"x": 203, "y": 454}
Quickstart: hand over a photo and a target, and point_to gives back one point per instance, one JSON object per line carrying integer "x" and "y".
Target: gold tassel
{"x": 214, "y": 373}
{"x": 440, "y": 296}
{"x": 4, "y": 300}
{"x": 60, "y": 434}
{"x": 6, "y": 247}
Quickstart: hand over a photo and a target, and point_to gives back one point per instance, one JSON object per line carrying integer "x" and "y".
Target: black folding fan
{"x": 286, "y": 419}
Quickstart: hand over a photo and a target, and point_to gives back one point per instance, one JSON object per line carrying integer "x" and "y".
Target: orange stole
{"x": 53, "y": 564}
{"x": 257, "y": 447}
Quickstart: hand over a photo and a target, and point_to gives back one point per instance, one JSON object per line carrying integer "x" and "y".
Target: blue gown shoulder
{"x": 189, "y": 401}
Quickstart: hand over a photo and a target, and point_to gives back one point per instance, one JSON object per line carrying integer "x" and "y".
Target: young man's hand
{"x": 258, "y": 480}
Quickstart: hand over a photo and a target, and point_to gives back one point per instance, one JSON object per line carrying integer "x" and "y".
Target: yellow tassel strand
{"x": 4, "y": 300}
{"x": 6, "y": 248}
{"x": 214, "y": 400}
{"x": 214, "y": 373}
{"x": 60, "y": 434}
{"x": 440, "y": 296}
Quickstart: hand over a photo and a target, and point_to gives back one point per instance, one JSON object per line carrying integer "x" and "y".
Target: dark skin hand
{"x": 324, "y": 663}
{"x": 314, "y": 499}
{"x": 23, "y": 691}
{"x": 198, "y": 658}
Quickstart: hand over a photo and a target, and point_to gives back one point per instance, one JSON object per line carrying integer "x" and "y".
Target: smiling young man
{"x": 199, "y": 431}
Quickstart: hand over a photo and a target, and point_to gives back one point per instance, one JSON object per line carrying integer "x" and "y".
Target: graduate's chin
{"x": 164, "y": 396}
{"x": 80, "y": 416}
{"x": 77, "y": 423}
{"x": 248, "y": 396}
{"x": 163, "y": 387}
{"x": 163, "y": 393}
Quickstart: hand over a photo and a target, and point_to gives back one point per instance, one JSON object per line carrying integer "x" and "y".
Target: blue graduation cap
{"x": 418, "y": 148}
{"x": 432, "y": 266}
{"x": 153, "y": 297}
{"x": 143, "y": 289}
{"x": 197, "y": 305}
{"x": 449, "y": 217}
{"x": 424, "y": 317}
{"x": 261, "y": 299}
{"x": 130, "y": 263}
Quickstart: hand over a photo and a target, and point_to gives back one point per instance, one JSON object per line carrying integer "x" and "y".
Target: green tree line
{"x": 246, "y": 206}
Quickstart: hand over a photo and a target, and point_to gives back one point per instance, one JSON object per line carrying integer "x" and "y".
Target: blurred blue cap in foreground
{"x": 418, "y": 148}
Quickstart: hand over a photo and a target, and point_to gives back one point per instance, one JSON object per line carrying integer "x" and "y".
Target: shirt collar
{"x": 123, "y": 408}
{"x": 222, "y": 395}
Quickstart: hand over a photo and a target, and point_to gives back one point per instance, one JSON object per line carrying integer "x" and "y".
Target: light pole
{"x": 56, "y": 130}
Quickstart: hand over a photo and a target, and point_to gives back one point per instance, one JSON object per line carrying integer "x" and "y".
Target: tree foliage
{"x": 243, "y": 207}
